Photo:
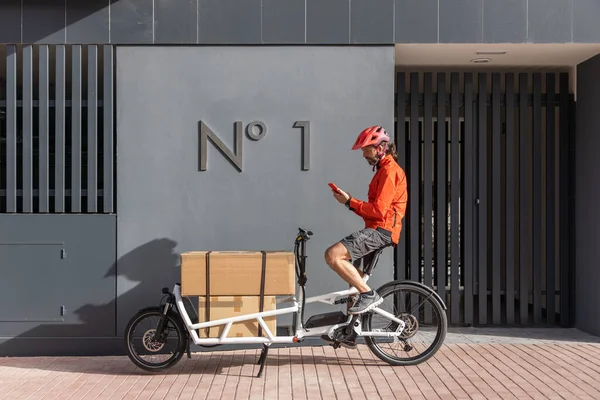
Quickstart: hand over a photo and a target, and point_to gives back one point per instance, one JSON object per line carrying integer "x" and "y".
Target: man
{"x": 382, "y": 213}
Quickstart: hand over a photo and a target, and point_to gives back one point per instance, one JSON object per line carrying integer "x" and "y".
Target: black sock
{"x": 369, "y": 293}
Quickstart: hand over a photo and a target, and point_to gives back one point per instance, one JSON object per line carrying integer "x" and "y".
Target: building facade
{"x": 134, "y": 130}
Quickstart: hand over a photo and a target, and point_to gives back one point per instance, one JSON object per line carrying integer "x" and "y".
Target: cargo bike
{"x": 173, "y": 330}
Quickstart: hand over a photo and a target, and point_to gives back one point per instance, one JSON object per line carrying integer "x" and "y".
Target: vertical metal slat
{"x": 11, "y": 128}
{"x": 469, "y": 203}
{"x": 414, "y": 183}
{"x": 441, "y": 183}
{"x": 427, "y": 189}
{"x": 92, "y": 129}
{"x": 27, "y": 129}
{"x": 59, "y": 107}
{"x": 565, "y": 319}
{"x": 454, "y": 199}
{"x": 537, "y": 197}
{"x": 482, "y": 209}
{"x": 550, "y": 203}
{"x": 44, "y": 135}
{"x": 76, "y": 131}
{"x": 400, "y": 139}
{"x": 524, "y": 213}
{"x": 107, "y": 108}
{"x": 496, "y": 203}
{"x": 510, "y": 233}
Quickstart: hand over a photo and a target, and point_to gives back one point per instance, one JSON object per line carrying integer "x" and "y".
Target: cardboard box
{"x": 237, "y": 273}
{"x": 233, "y": 306}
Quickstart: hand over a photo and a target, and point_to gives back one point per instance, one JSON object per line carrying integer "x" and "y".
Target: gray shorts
{"x": 361, "y": 244}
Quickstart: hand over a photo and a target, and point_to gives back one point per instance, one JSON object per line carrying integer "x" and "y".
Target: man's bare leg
{"x": 337, "y": 257}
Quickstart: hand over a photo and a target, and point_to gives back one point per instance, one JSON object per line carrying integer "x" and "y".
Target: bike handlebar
{"x": 303, "y": 234}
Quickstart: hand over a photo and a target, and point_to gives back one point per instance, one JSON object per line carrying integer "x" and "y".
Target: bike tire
{"x": 182, "y": 338}
{"x": 430, "y": 352}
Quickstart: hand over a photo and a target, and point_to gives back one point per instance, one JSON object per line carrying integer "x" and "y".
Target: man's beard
{"x": 372, "y": 160}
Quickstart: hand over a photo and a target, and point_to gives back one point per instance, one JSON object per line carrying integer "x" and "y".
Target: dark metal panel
{"x": 565, "y": 216}
{"x": 59, "y": 121}
{"x": 524, "y": 197}
{"x": 229, "y": 21}
{"x": 27, "y": 264}
{"x": 10, "y": 21}
{"x": 44, "y": 129}
{"x": 482, "y": 209}
{"x": 328, "y": 21}
{"x": 505, "y": 21}
{"x": 27, "y": 178}
{"x": 379, "y": 13}
{"x": 427, "y": 186}
{"x": 460, "y": 21}
{"x": 44, "y": 21}
{"x": 53, "y": 250}
{"x": 416, "y": 21}
{"x": 401, "y": 142}
{"x": 283, "y": 21}
{"x": 415, "y": 183}
{"x": 511, "y": 232}
{"x": 549, "y": 21}
{"x": 175, "y": 21}
{"x": 537, "y": 197}
{"x": 88, "y": 21}
{"x": 455, "y": 190}
{"x": 496, "y": 203}
{"x": 108, "y": 107}
{"x": 11, "y": 128}
{"x": 76, "y": 130}
{"x": 469, "y": 204}
{"x": 131, "y": 21}
{"x": 441, "y": 184}
{"x": 584, "y": 191}
{"x": 575, "y": 214}
{"x": 550, "y": 201}
{"x": 92, "y": 129}
{"x": 585, "y": 22}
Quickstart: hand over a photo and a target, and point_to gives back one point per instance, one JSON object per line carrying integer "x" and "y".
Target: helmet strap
{"x": 381, "y": 151}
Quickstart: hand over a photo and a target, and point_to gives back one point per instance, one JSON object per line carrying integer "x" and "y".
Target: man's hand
{"x": 341, "y": 197}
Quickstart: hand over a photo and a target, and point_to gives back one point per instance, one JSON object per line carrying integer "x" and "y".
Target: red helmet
{"x": 371, "y": 136}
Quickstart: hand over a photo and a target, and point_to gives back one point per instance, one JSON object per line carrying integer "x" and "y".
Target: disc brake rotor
{"x": 411, "y": 326}
{"x": 149, "y": 343}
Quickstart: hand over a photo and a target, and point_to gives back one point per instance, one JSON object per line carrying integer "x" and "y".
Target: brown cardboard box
{"x": 237, "y": 273}
{"x": 234, "y": 306}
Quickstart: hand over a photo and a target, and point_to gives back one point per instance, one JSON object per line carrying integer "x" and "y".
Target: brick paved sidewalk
{"x": 475, "y": 367}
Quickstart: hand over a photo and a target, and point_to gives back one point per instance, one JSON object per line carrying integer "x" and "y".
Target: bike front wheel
{"x": 425, "y": 325}
{"x": 155, "y": 353}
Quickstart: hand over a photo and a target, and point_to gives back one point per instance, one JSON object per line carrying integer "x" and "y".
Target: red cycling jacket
{"x": 387, "y": 199}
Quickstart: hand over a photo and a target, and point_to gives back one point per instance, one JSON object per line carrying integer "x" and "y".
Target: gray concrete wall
{"x": 587, "y": 192}
{"x": 166, "y": 205}
{"x": 299, "y": 21}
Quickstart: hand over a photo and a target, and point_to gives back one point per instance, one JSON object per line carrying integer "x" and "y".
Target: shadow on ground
{"x": 218, "y": 363}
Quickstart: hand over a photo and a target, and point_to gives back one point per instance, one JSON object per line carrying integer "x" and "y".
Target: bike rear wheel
{"x": 424, "y": 318}
{"x": 144, "y": 350}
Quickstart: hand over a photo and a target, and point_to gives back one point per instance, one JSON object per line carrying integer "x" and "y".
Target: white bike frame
{"x": 270, "y": 338}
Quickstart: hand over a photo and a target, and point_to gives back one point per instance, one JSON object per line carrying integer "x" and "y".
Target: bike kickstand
{"x": 187, "y": 350}
{"x": 263, "y": 359}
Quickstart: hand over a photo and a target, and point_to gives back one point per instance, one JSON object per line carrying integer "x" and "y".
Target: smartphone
{"x": 333, "y": 187}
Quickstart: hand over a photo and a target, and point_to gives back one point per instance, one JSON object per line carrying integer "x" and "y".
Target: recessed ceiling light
{"x": 490, "y": 52}
{"x": 480, "y": 60}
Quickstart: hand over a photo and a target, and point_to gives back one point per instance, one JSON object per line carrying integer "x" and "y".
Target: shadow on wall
{"x": 147, "y": 269}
